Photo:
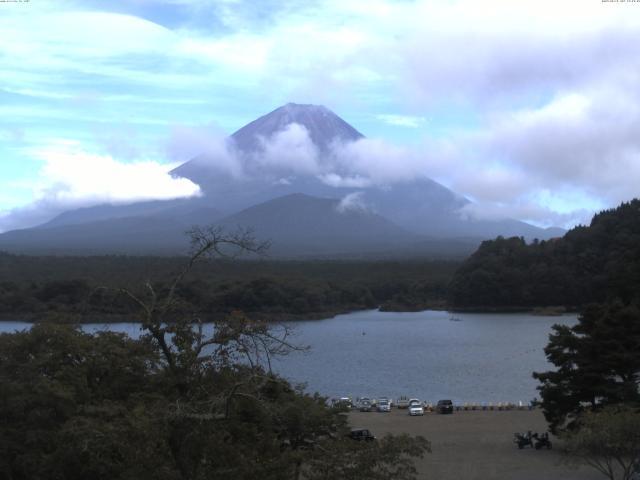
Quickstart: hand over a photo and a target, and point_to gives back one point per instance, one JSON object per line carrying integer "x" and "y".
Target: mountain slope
{"x": 302, "y": 224}
{"x": 159, "y": 233}
{"x": 167, "y": 209}
{"x": 297, "y": 225}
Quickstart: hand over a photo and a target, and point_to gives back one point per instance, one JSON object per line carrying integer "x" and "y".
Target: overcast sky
{"x": 529, "y": 108}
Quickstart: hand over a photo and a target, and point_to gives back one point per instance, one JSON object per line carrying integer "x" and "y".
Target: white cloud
{"x": 486, "y": 53}
{"x": 71, "y": 177}
{"x": 582, "y": 147}
{"x": 334, "y": 180}
{"x": 353, "y": 202}
{"x": 209, "y": 144}
{"x": 401, "y": 120}
{"x": 290, "y": 149}
{"x": 424, "y": 50}
{"x": 527, "y": 210}
{"x": 382, "y": 162}
{"x": 282, "y": 181}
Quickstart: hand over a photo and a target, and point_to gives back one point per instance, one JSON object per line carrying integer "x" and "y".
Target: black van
{"x": 444, "y": 406}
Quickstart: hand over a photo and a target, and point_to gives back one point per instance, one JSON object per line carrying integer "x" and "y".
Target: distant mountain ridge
{"x": 298, "y": 212}
{"x": 181, "y": 208}
{"x": 299, "y": 222}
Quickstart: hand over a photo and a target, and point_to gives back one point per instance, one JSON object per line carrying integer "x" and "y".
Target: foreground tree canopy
{"x": 177, "y": 403}
{"x": 592, "y": 263}
{"x": 598, "y": 363}
{"x": 609, "y": 441}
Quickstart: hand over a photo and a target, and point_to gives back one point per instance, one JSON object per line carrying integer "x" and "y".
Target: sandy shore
{"x": 477, "y": 445}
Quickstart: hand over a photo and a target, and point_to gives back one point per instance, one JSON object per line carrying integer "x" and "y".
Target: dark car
{"x": 444, "y": 406}
{"x": 361, "y": 434}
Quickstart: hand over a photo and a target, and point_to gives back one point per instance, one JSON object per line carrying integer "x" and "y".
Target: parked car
{"x": 402, "y": 402}
{"x": 444, "y": 406}
{"x": 361, "y": 434}
{"x": 365, "y": 406}
{"x": 416, "y": 409}
{"x": 384, "y": 406}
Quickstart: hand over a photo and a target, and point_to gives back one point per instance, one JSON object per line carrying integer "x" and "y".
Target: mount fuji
{"x": 272, "y": 176}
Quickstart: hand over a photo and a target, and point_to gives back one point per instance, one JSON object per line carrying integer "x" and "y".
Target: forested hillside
{"x": 589, "y": 264}
{"x": 87, "y": 287}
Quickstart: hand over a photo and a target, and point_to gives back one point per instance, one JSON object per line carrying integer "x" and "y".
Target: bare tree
{"x": 181, "y": 339}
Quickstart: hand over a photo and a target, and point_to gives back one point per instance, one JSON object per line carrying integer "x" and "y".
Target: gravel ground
{"x": 477, "y": 445}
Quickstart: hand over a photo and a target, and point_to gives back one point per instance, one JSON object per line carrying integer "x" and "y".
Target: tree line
{"x": 71, "y": 287}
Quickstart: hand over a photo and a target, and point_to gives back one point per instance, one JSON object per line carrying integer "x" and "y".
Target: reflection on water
{"x": 477, "y": 358}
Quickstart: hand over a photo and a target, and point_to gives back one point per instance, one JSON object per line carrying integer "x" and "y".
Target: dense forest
{"x": 589, "y": 264}
{"x": 88, "y": 288}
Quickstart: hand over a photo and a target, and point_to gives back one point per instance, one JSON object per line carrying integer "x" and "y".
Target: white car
{"x": 384, "y": 406}
{"x": 416, "y": 409}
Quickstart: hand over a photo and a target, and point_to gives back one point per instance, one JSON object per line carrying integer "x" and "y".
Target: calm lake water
{"x": 480, "y": 358}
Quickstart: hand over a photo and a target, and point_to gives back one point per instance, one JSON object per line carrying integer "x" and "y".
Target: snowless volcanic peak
{"x": 323, "y": 125}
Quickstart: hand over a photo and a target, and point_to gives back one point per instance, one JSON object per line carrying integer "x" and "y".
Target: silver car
{"x": 415, "y": 407}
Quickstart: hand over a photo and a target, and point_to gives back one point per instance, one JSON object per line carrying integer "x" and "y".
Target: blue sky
{"x": 531, "y": 109}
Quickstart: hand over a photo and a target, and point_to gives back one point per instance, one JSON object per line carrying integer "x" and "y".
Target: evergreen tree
{"x": 597, "y": 360}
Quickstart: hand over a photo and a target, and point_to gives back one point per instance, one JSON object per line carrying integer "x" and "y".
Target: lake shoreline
{"x": 543, "y": 311}
{"x": 77, "y": 319}
{"x": 80, "y": 319}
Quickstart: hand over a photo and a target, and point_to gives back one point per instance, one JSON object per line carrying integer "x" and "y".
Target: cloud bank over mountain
{"x": 71, "y": 177}
{"x": 299, "y": 175}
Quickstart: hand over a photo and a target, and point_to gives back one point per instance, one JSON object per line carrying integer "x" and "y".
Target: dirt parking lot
{"x": 477, "y": 445}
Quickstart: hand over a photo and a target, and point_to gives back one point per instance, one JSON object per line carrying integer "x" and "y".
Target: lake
{"x": 479, "y": 358}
